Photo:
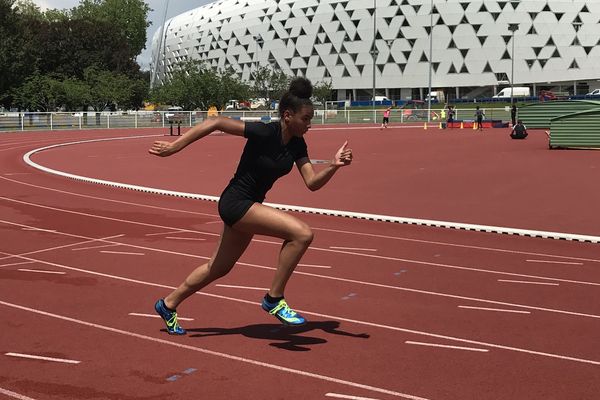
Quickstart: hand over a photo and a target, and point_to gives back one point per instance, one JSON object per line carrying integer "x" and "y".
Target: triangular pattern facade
{"x": 332, "y": 40}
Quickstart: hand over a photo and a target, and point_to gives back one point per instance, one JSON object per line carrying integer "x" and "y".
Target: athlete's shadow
{"x": 286, "y": 337}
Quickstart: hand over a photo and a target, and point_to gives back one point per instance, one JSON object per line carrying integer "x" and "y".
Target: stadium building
{"x": 469, "y": 49}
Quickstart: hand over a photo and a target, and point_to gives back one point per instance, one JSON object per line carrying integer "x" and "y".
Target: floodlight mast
{"x": 162, "y": 38}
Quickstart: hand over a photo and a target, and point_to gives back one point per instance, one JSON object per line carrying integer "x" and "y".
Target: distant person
{"x": 386, "y": 117}
{"x": 450, "y": 121}
{"x": 443, "y": 114}
{"x": 513, "y": 115}
{"x": 479, "y": 114}
{"x": 519, "y": 131}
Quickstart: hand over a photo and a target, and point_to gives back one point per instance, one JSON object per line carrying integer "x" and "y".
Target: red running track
{"x": 396, "y": 311}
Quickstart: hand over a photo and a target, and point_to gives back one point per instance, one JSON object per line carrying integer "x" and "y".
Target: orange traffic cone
{"x": 461, "y": 125}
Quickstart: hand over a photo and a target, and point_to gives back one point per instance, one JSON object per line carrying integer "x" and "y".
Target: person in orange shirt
{"x": 386, "y": 117}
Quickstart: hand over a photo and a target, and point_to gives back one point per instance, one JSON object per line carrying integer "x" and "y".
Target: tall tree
{"x": 322, "y": 91}
{"x": 193, "y": 85}
{"x": 128, "y": 17}
{"x": 17, "y": 60}
{"x": 40, "y": 93}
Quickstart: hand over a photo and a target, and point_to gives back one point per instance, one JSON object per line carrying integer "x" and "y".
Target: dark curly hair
{"x": 297, "y": 96}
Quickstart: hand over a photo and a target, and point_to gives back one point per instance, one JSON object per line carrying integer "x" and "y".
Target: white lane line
{"x": 496, "y": 309}
{"x": 242, "y": 287}
{"x": 157, "y": 316}
{"x": 40, "y": 230}
{"x": 95, "y": 247}
{"x": 219, "y": 354}
{"x": 164, "y": 233}
{"x": 555, "y": 262}
{"x": 183, "y": 238}
{"x": 529, "y": 282}
{"x": 124, "y": 253}
{"x": 465, "y": 246}
{"x": 338, "y": 317}
{"x": 445, "y": 346}
{"x": 34, "y": 357}
{"x": 379, "y": 285}
{"x": 17, "y": 263}
{"x": 482, "y": 248}
{"x": 451, "y": 266}
{"x": 279, "y": 244}
{"x": 350, "y": 248}
{"x": 14, "y": 395}
{"x": 314, "y": 266}
{"x": 338, "y": 213}
{"x": 88, "y": 240}
{"x": 345, "y": 396}
{"x": 41, "y": 271}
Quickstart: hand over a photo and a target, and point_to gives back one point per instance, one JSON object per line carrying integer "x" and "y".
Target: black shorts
{"x": 386, "y": 120}
{"x": 233, "y": 205}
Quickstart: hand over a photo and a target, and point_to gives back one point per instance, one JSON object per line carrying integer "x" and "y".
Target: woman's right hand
{"x": 163, "y": 149}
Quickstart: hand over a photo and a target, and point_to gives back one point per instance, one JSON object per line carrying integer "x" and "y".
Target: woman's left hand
{"x": 343, "y": 156}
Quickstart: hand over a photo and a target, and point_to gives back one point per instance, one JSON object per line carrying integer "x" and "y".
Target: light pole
{"x": 512, "y": 28}
{"x": 259, "y": 42}
{"x": 374, "y": 53}
{"x": 430, "y": 61}
{"x": 576, "y": 25}
{"x": 160, "y": 44}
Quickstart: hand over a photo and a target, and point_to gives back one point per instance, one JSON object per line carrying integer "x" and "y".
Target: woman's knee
{"x": 304, "y": 235}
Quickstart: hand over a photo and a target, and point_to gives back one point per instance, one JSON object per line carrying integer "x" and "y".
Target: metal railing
{"x": 30, "y": 121}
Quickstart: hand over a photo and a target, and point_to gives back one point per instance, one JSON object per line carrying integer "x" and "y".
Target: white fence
{"x": 26, "y": 121}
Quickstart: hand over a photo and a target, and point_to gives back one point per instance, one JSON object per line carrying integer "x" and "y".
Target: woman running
{"x": 270, "y": 152}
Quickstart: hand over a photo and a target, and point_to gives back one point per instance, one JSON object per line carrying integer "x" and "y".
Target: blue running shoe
{"x": 170, "y": 318}
{"x": 283, "y": 312}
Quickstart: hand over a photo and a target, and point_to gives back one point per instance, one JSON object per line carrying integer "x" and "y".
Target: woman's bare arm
{"x": 316, "y": 180}
{"x": 227, "y": 125}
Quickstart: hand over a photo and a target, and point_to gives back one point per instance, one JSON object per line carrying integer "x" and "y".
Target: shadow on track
{"x": 286, "y": 337}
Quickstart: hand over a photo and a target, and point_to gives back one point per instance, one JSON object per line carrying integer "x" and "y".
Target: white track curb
{"x": 310, "y": 210}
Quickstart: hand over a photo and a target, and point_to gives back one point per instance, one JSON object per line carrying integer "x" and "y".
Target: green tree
{"x": 106, "y": 88}
{"x": 322, "y": 91}
{"x": 77, "y": 94}
{"x": 127, "y": 17}
{"x": 269, "y": 83}
{"x": 40, "y": 93}
{"x": 17, "y": 58}
{"x": 193, "y": 85}
{"x": 280, "y": 83}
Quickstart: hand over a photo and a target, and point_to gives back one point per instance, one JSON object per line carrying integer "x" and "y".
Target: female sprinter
{"x": 270, "y": 152}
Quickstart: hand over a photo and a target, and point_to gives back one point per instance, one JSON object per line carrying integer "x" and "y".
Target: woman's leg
{"x": 232, "y": 245}
{"x": 296, "y": 236}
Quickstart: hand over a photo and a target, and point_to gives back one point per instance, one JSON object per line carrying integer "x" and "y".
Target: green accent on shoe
{"x": 170, "y": 318}
{"x": 283, "y": 313}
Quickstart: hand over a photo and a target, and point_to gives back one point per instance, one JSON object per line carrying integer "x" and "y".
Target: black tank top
{"x": 265, "y": 159}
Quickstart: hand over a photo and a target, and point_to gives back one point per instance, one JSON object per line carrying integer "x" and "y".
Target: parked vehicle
{"x": 258, "y": 103}
{"x": 175, "y": 114}
{"x": 436, "y": 96}
{"x": 595, "y": 92}
{"x": 547, "y": 95}
{"x": 237, "y": 105}
{"x": 516, "y": 92}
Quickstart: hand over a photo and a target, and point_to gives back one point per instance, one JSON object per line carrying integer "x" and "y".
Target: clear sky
{"x": 155, "y": 16}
